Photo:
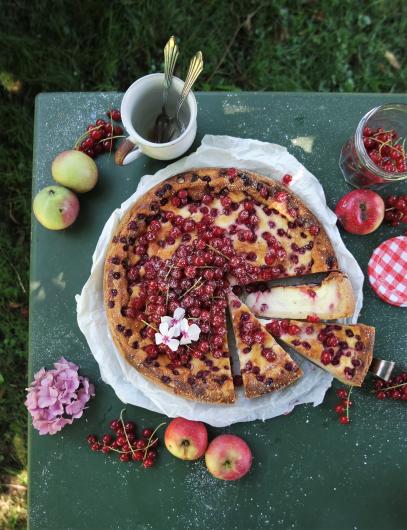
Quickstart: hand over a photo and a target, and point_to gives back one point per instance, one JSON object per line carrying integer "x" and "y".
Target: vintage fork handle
{"x": 195, "y": 68}
{"x": 170, "y": 58}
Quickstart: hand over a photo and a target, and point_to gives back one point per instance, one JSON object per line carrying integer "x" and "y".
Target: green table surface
{"x": 309, "y": 472}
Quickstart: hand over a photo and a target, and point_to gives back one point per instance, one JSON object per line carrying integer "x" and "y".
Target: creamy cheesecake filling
{"x": 331, "y": 300}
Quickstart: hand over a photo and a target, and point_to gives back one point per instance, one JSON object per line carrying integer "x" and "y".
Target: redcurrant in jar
{"x": 376, "y": 154}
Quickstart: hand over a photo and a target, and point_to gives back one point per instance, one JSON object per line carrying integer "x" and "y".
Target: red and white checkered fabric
{"x": 387, "y": 271}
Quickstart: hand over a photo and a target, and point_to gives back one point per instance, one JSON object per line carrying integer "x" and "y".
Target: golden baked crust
{"x": 344, "y": 351}
{"x": 333, "y": 298}
{"x": 207, "y": 380}
{"x": 265, "y": 366}
{"x": 296, "y": 242}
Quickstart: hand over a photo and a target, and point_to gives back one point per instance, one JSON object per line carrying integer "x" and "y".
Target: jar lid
{"x": 387, "y": 270}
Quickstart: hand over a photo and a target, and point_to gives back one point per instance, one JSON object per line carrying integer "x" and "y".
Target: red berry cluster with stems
{"x": 386, "y": 149}
{"x": 395, "y": 388}
{"x": 124, "y": 443}
{"x": 342, "y": 408}
{"x": 100, "y": 137}
{"x": 396, "y": 209}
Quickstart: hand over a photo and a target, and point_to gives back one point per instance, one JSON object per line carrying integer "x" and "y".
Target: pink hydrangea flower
{"x": 56, "y": 397}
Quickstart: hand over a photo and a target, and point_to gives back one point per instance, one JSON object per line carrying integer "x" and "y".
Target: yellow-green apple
{"x": 55, "y": 207}
{"x": 186, "y": 439}
{"x": 75, "y": 170}
{"x": 228, "y": 457}
{"x": 360, "y": 211}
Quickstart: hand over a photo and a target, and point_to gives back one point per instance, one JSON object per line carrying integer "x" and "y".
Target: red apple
{"x": 186, "y": 439}
{"x": 228, "y": 457}
{"x": 360, "y": 211}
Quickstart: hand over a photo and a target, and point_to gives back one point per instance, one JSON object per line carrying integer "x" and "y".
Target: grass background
{"x": 327, "y": 45}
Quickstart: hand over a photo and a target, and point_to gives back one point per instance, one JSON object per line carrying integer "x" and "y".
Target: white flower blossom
{"x": 166, "y": 337}
{"x": 188, "y": 332}
{"x": 175, "y": 321}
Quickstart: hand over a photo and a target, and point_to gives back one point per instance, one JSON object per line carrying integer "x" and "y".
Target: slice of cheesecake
{"x": 343, "y": 351}
{"x": 332, "y": 299}
{"x": 264, "y": 365}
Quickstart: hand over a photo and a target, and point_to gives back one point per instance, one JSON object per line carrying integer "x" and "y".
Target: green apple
{"x": 75, "y": 170}
{"x": 56, "y": 207}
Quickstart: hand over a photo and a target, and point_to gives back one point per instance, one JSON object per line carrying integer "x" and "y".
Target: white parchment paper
{"x": 215, "y": 151}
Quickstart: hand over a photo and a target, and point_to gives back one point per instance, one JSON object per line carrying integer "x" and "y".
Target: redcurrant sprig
{"x": 342, "y": 408}
{"x": 125, "y": 444}
{"x": 99, "y": 137}
{"x": 396, "y": 209}
{"x": 395, "y": 388}
{"x": 385, "y": 149}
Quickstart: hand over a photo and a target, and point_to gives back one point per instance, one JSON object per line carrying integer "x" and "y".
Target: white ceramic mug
{"x": 140, "y": 107}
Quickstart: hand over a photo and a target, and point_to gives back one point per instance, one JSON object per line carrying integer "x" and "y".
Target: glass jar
{"x": 357, "y": 167}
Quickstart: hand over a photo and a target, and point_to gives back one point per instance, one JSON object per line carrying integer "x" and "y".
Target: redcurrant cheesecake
{"x": 330, "y": 300}
{"x": 343, "y": 351}
{"x": 176, "y": 252}
{"x": 264, "y": 365}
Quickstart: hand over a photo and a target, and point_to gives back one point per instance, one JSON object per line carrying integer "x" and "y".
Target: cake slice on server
{"x": 332, "y": 299}
{"x": 264, "y": 365}
{"x": 343, "y": 351}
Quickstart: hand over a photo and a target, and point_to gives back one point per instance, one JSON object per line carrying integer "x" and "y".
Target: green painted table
{"x": 309, "y": 472}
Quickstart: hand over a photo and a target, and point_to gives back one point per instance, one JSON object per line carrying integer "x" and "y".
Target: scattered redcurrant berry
{"x": 147, "y": 433}
{"x": 141, "y": 444}
{"x": 339, "y": 409}
{"x": 129, "y": 426}
{"x": 121, "y": 440}
{"x": 107, "y": 439}
{"x": 148, "y": 462}
{"x": 287, "y": 179}
{"x": 114, "y": 425}
{"x": 114, "y": 114}
{"x": 395, "y": 394}
{"x": 342, "y": 393}
{"x": 91, "y": 439}
{"x": 88, "y": 143}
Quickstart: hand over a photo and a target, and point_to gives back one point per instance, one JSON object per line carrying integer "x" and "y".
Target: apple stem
{"x": 363, "y": 209}
{"x": 185, "y": 444}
